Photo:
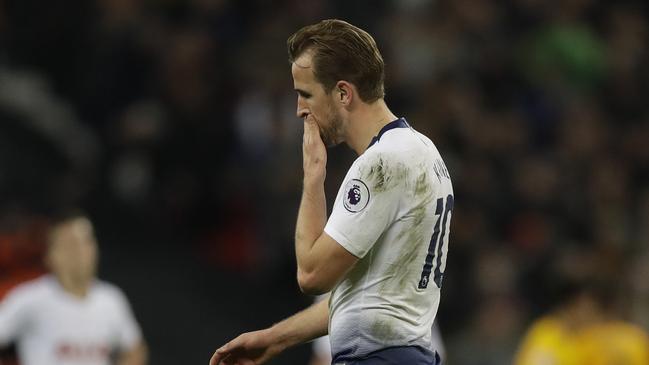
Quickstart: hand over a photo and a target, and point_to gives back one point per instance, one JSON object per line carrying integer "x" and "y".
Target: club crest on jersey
{"x": 357, "y": 195}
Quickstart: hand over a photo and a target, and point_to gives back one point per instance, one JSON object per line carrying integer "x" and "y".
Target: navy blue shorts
{"x": 410, "y": 355}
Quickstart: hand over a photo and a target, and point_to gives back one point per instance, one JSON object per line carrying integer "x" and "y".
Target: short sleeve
{"x": 367, "y": 203}
{"x": 128, "y": 330}
{"x": 14, "y": 315}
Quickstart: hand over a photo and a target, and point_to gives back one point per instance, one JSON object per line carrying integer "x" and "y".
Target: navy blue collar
{"x": 399, "y": 123}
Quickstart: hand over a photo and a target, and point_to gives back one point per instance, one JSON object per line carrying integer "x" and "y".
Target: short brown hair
{"x": 341, "y": 51}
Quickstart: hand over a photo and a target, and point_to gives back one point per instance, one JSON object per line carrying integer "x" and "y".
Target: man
{"x": 69, "y": 317}
{"x": 382, "y": 252}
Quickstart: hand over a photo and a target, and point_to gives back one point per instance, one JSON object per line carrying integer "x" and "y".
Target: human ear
{"x": 345, "y": 92}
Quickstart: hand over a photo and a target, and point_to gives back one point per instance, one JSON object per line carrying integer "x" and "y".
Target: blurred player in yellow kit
{"x": 614, "y": 343}
{"x": 581, "y": 331}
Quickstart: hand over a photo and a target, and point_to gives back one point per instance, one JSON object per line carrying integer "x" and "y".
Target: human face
{"x": 314, "y": 102}
{"x": 72, "y": 252}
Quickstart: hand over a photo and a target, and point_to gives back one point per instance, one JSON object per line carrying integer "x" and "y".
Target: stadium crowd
{"x": 174, "y": 121}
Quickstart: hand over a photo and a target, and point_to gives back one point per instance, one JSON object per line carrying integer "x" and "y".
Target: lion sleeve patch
{"x": 357, "y": 195}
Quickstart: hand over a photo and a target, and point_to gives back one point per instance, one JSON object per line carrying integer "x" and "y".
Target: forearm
{"x": 259, "y": 346}
{"x": 311, "y": 220}
{"x": 304, "y": 326}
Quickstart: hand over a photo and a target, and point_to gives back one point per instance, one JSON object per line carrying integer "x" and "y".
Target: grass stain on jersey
{"x": 414, "y": 244}
{"x": 385, "y": 175}
{"x": 384, "y": 329}
{"x": 422, "y": 185}
{"x": 400, "y": 271}
{"x": 379, "y": 176}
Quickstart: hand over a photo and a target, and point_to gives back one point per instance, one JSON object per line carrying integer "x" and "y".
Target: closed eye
{"x": 303, "y": 93}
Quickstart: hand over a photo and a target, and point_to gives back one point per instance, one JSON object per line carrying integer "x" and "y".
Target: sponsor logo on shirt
{"x": 78, "y": 352}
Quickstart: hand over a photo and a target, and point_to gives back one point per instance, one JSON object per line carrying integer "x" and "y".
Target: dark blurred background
{"x": 172, "y": 123}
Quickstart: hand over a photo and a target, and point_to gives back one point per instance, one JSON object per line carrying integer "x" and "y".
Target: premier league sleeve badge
{"x": 357, "y": 195}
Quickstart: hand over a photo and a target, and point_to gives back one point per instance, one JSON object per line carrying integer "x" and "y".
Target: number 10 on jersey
{"x": 436, "y": 248}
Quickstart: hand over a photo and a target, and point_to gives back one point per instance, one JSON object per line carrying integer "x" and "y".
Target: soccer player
{"x": 382, "y": 252}
{"x": 68, "y": 317}
{"x": 583, "y": 330}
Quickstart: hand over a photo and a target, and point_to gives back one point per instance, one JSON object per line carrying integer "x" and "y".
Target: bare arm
{"x": 312, "y": 215}
{"x": 321, "y": 261}
{"x": 138, "y": 355}
{"x": 254, "y": 348}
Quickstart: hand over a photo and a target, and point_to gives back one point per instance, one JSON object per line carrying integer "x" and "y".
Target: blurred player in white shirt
{"x": 69, "y": 317}
{"x": 382, "y": 252}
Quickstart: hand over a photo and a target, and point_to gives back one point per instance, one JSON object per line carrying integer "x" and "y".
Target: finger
{"x": 311, "y": 132}
{"x": 309, "y": 127}
{"x": 216, "y": 358}
{"x": 307, "y": 139}
{"x": 220, "y": 354}
{"x": 310, "y": 123}
{"x": 230, "y": 360}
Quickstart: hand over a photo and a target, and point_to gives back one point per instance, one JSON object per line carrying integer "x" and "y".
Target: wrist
{"x": 313, "y": 183}
{"x": 282, "y": 338}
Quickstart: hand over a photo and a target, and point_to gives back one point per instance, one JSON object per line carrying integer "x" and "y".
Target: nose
{"x": 302, "y": 109}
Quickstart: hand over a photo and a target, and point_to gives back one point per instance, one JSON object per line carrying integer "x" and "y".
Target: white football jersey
{"x": 393, "y": 212}
{"x": 52, "y": 327}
